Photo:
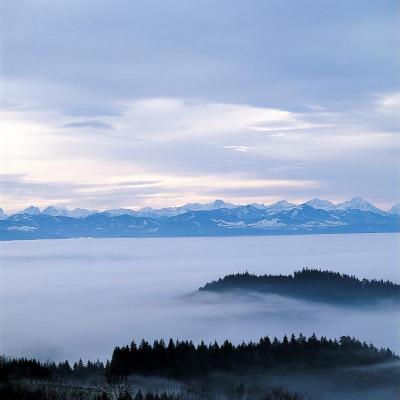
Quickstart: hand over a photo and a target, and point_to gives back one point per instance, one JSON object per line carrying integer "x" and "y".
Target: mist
{"x": 79, "y": 298}
{"x": 365, "y": 383}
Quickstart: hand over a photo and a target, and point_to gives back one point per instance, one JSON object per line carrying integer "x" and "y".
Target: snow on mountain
{"x": 161, "y": 212}
{"x": 173, "y": 211}
{"x": 56, "y": 211}
{"x": 357, "y": 203}
{"x": 65, "y": 212}
{"x": 242, "y": 220}
{"x": 395, "y": 209}
{"x": 2, "y": 214}
{"x": 267, "y": 223}
{"x": 215, "y": 205}
{"x": 22, "y": 228}
{"x": 279, "y": 206}
{"x": 120, "y": 211}
{"x": 259, "y": 206}
{"x": 31, "y": 210}
{"x": 81, "y": 212}
{"x": 320, "y": 204}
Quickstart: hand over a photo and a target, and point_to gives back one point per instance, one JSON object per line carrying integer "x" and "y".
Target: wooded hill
{"x": 312, "y": 284}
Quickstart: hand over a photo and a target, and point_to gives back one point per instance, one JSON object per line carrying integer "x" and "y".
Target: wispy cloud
{"x": 242, "y": 149}
{"x": 20, "y": 190}
{"x": 88, "y": 124}
{"x": 164, "y": 151}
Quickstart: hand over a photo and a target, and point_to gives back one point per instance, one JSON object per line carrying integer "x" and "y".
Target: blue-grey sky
{"x": 151, "y": 103}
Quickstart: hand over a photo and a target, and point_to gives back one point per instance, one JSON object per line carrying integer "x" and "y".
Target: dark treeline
{"x": 182, "y": 359}
{"x": 185, "y": 362}
{"x": 311, "y": 283}
{"x": 17, "y": 368}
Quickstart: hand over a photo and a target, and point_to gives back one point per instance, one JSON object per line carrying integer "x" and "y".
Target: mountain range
{"x": 195, "y": 219}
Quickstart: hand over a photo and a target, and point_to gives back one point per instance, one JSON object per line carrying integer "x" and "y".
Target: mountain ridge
{"x": 237, "y": 221}
{"x": 356, "y": 203}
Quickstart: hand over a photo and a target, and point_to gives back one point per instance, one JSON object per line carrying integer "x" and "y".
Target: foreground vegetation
{"x": 189, "y": 366}
{"x": 118, "y": 392}
{"x": 182, "y": 359}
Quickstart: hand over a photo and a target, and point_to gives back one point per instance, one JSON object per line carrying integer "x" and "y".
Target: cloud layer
{"x": 246, "y": 101}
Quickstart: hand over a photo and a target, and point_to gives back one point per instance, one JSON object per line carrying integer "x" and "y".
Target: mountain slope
{"x": 321, "y": 204}
{"x": 357, "y": 203}
{"x": 395, "y": 209}
{"x": 3, "y": 215}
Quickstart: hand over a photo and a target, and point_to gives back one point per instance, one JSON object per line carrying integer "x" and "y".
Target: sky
{"x": 109, "y": 104}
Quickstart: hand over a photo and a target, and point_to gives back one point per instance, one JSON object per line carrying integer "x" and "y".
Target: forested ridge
{"x": 185, "y": 359}
{"x": 310, "y": 284}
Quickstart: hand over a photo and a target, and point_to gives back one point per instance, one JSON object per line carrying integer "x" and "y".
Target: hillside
{"x": 311, "y": 284}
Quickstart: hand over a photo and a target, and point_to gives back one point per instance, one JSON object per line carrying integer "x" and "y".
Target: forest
{"x": 311, "y": 284}
{"x": 183, "y": 361}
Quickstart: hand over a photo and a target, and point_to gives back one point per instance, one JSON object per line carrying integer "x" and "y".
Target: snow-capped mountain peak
{"x": 357, "y": 203}
{"x": 65, "y": 212}
{"x": 31, "y": 210}
{"x": 320, "y": 204}
{"x": 56, "y": 211}
{"x": 279, "y": 206}
{"x": 173, "y": 211}
{"x": 214, "y": 205}
{"x": 279, "y": 218}
{"x": 120, "y": 211}
{"x": 81, "y": 213}
{"x": 3, "y": 215}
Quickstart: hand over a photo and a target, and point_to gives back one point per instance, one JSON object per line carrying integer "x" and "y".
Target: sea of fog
{"x": 66, "y": 299}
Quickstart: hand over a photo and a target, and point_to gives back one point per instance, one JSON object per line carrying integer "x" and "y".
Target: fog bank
{"x": 81, "y": 297}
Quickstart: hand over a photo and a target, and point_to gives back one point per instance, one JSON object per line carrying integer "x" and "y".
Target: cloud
{"x": 167, "y": 119}
{"x": 275, "y": 53}
{"x": 389, "y": 102}
{"x": 88, "y": 124}
{"x": 21, "y": 190}
{"x": 164, "y": 151}
{"x": 242, "y": 149}
{"x": 73, "y": 278}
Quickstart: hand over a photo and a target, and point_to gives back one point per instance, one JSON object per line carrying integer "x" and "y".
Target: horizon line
{"x": 138, "y": 209}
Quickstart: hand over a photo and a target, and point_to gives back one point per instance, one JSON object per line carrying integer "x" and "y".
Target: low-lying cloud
{"x": 64, "y": 292}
